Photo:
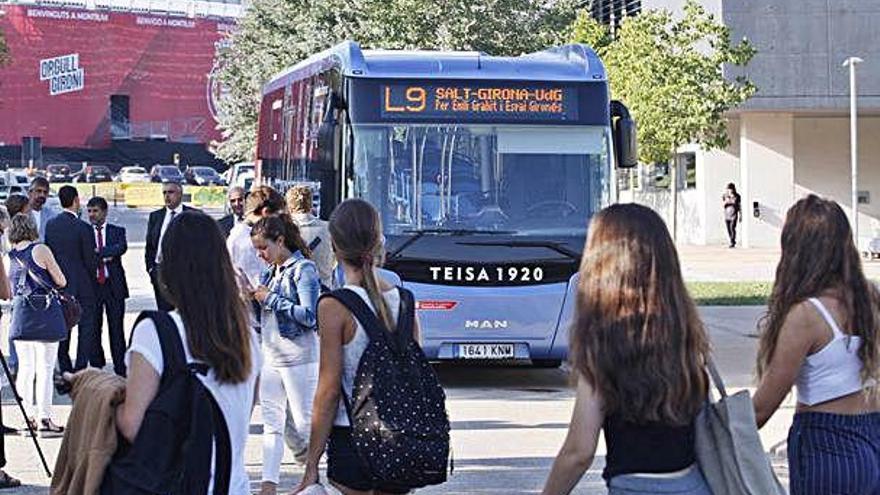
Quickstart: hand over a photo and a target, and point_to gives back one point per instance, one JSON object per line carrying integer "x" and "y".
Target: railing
{"x": 183, "y": 8}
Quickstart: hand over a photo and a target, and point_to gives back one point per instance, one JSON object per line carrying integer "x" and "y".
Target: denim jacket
{"x": 294, "y": 299}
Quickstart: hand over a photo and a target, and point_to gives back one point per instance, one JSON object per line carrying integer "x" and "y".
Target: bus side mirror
{"x": 624, "y": 129}
{"x": 327, "y": 134}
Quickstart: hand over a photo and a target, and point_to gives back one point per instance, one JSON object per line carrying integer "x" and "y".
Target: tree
{"x": 275, "y": 34}
{"x": 669, "y": 72}
{"x": 5, "y": 58}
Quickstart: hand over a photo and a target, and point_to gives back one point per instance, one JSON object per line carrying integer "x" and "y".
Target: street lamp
{"x": 851, "y": 62}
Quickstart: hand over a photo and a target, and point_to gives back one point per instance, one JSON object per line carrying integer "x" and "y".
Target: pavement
{"x": 508, "y": 422}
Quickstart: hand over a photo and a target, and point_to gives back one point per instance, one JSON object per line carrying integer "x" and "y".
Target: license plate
{"x": 485, "y": 351}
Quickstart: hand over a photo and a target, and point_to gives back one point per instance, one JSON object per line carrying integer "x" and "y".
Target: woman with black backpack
{"x": 206, "y": 338}
{"x": 370, "y": 356}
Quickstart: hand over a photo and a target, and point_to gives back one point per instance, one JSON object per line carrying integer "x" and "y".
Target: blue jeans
{"x": 690, "y": 482}
{"x": 834, "y": 454}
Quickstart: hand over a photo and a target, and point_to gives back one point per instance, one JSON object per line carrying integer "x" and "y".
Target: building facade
{"x": 792, "y": 138}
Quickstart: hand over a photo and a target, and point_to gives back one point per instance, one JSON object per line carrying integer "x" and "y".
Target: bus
{"x": 485, "y": 171}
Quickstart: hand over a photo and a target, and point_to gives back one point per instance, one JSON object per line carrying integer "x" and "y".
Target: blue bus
{"x": 485, "y": 171}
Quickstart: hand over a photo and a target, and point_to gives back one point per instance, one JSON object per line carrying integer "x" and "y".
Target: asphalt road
{"x": 508, "y": 422}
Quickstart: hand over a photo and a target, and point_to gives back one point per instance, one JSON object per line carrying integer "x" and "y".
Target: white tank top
{"x": 835, "y": 370}
{"x": 352, "y": 352}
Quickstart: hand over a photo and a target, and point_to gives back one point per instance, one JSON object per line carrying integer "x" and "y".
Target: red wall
{"x": 162, "y": 63}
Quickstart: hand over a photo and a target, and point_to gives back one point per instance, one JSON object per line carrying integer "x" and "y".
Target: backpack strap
{"x": 315, "y": 243}
{"x": 406, "y": 318}
{"x": 362, "y": 313}
{"x": 173, "y": 355}
{"x": 211, "y": 435}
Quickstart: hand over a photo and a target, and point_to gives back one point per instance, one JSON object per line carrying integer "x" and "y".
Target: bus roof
{"x": 564, "y": 63}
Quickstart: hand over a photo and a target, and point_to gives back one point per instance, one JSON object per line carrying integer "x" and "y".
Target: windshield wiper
{"x": 419, "y": 233}
{"x": 554, "y": 246}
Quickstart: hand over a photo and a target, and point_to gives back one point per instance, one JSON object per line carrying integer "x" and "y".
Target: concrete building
{"x": 792, "y": 137}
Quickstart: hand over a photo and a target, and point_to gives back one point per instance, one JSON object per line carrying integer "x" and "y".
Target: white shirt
{"x": 244, "y": 259}
{"x": 99, "y": 244}
{"x": 235, "y": 400}
{"x": 165, "y": 223}
{"x": 38, "y": 215}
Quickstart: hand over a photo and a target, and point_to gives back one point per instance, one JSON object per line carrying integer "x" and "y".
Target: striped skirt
{"x": 834, "y": 454}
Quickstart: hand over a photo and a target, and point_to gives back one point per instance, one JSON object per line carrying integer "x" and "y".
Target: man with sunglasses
{"x": 236, "y": 198}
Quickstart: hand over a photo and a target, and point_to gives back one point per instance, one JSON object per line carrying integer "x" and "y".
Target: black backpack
{"x": 172, "y": 451}
{"x": 397, "y": 412}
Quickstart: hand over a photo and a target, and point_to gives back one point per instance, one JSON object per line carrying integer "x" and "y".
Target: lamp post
{"x": 851, "y": 62}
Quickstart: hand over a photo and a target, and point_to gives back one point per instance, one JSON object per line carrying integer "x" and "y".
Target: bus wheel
{"x": 546, "y": 363}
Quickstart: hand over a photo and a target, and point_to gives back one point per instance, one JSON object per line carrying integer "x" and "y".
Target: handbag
{"x": 70, "y": 307}
{"x": 728, "y": 446}
{"x": 37, "y": 316}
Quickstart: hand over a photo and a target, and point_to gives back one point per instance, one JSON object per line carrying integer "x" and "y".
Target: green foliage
{"x": 5, "y": 58}
{"x": 669, "y": 72}
{"x": 730, "y": 293}
{"x": 275, "y": 34}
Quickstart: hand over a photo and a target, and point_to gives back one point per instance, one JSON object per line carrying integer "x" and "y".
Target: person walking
{"x": 356, "y": 234}
{"x": 638, "y": 350}
{"x": 211, "y": 321}
{"x": 73, "y": 244}
{"x": 314, "y": 231}
{"x": 288, "y": 294}
{"x": 38, "y": 193}
{"x": 263, "y": 201}
{"x": 235, "y": 197}
{"x": 172, "y": 194}
{"x": 820, "y": 335}
{"x": 32, "y": 268}
{"x": 111, "y": 287}
{"x": 732, "y": 203}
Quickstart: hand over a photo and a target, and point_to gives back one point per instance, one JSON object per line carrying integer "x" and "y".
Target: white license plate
{"x": 485, "y": 351}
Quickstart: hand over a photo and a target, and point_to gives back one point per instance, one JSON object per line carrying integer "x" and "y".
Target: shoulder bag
{"x": 728, "y": 446}
{"x": 37, "y": 316}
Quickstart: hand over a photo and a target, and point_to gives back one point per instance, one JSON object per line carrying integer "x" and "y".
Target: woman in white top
{"x": 356, "y": 234}
{"x": 197, "y": 278}
{"x": 820, "y": 334}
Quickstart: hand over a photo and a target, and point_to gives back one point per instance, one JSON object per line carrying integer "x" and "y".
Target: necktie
{"x": 102, "y": 276}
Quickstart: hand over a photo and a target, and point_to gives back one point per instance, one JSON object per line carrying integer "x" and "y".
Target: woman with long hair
{"x": 196, "y": 277}
{"x": 32, "y": 268}
{"x": 638, "y": 351}
{"x": 288, "y": 295}
{"x": 820, "y": 334}
{"x": 356, "y": 234}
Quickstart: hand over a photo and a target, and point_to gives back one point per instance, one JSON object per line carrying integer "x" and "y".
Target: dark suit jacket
{"x": 73, "y": 244}
{"x": 115, "y": 246}
{"x": 154, "y": 230}
{"x": 226, "y": 223}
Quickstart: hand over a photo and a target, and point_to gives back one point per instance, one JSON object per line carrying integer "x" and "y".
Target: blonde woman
{"x": 30, "y": 259}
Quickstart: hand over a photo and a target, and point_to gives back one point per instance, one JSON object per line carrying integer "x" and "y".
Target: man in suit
{"x": 73, "y": 244}
{"x": 235, "y": 196}
{"x": 156, "y": 227}
{"x": 111, "y": 289}
{"x": 38, "y": 193}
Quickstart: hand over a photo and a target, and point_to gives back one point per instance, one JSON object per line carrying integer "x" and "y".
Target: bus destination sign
{"x": 450, "y": 101}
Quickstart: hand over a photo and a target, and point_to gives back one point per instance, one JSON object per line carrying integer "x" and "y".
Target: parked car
{"x": 242, "y": 175}
{"x": 58, "y": 173}
{"x": 17, "y": 176}
{"x": 94, "y": 173}
{"x": 6, "y": 191}
{"x": 203, "y": 176}
{"x": 133, "y": 174}
{"x": 166, "y": 173}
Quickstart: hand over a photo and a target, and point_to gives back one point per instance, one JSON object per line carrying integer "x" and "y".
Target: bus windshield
{"x": 517, "y": 179}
